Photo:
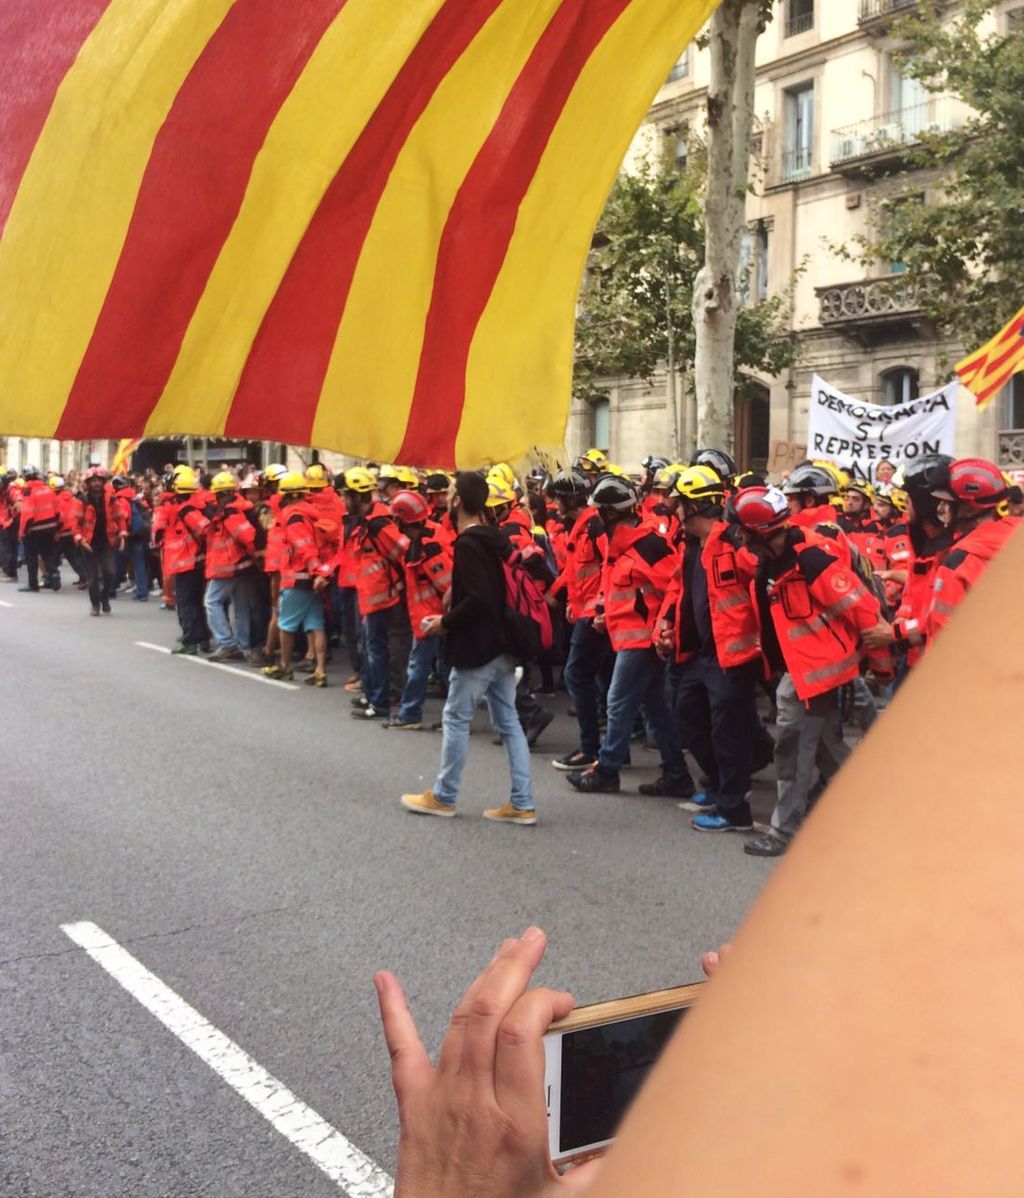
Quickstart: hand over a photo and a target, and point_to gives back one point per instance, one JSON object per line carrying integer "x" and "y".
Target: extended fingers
{"x": 409, "y": 1060}
{"x": 519, "y": 1055}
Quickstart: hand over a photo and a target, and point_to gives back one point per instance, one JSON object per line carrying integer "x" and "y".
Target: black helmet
{"x": 807, "y": 479}
{"x": 718, "y": 460}
{"x": 31, "y": 472}
{"x": 927, "y": 474}
{"x": 568, "y": 484}
{"x": 612, "y": 491}
{"x": 653, "y": 464}
{"x": 119, "y": 482}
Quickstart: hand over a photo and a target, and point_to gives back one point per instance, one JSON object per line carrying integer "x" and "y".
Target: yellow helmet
{"x": 594, "y": 461}
{"x": 293, "y": 483}
{"x": 56, "y": 482}
{"x": 274, "y": 472}
{"x": 224, "y": 481}
{"x": 359, "y": 480}
{"x": 611, "y": 468}
{"x": 701, "y": 485}
{"x": 862, "y": 486}
{"x": 185, "y": 481}
{"x": 316, "y": 476}
{"x": 892, "y": 494}
{"x": 666, "y": 477}
{"x": 407, "y": 476}
{"x": 499, "y": 493}
{"x": 504, "y": 472}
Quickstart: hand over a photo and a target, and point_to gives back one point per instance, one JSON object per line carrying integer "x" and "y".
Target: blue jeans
{"x": 588, "y": 666}
{"x": 423, "y": 660}
{"x": 218, "y": 596}
{"x": 495, "y": 682}
{"x": 377, "y": 661}
{"x": 639, "y": 682}
{"x": 135, "y": 550}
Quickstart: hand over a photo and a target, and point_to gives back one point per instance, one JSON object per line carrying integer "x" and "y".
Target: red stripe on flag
{"x": 292, "y": 351}
{"x": 39, "y": 42}
{"x": 483, "y": 218}
{"x": 995, "y": 365}
{"x": 975, "y": 363}
{"x": 190, "y": 196}
{"x": 994, "y": 379}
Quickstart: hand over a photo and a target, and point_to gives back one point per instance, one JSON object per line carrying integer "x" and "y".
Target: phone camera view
{"x": 602, "y": 1069}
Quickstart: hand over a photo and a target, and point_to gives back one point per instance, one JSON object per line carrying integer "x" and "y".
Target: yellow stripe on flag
{"x": 61, "y": 244}
{"x": 377, "y": 350}
{"x": 988, "y": 383}
{"x": 125, "y": 449}
{"x": 307, "y": 143}
{"x": 969, "y": 368}
{"x": 525, "y": 336}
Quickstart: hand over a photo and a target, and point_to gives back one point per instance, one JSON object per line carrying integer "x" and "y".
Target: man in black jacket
{"x": 482, "y": 667}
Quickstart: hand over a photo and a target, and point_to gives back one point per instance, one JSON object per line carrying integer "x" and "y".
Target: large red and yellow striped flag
{"x": 985, "y": 372}
{"x": 354, "y": 224}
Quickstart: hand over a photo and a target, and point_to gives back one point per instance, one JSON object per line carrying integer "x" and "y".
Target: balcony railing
{"x": 796, "y": 165}
{"x": 870, "y": 10}
{"x": 799, "y": 22}
{"x": 870, "y": 300}
{"x": 888, "y": 133}
{"x": 1011, "y": 448}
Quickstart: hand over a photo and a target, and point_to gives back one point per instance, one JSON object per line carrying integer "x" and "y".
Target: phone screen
{"x": 602, "y": 1069}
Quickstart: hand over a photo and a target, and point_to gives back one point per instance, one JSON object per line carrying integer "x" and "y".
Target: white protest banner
{"x": 859, "y": 435}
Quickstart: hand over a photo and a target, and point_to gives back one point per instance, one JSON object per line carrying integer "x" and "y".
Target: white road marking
{"x": 351, "y": 1170}
{"x": 218, "y": 665}
{"x": 3, "y": 604}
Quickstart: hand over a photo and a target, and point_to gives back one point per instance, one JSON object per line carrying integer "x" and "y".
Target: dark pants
{"x": 638, "y": 681}
{"x": 189, "y": 591}
{"x": 40, "y": 545}
{"x": 67, "y": 549}
{"x": 377, "y": 659}
{"x": 135, "y": 551}
{"x": 587, "y": 674}
{"x": 716, "y": 710}
{"x": 99, "y": 571}
{"x": 345, "y": 602}
{"x": 9, "y": 550}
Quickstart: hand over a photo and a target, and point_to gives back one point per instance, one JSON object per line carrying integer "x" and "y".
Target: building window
{"x": 1015, "y": 20}
{"x": 682, "y": 68}
{"x": 679, "y": 146}
{"x": 799, "y": 16}
{"x": 798, "y": 151}
{"x": 899, "y": 385}
{"x": 754, "y": 264}
{"x": 600, "y": 423}
{"x": 1013, "y": 403}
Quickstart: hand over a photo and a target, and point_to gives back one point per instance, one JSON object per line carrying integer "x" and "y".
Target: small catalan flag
{"x": 985, "y": 372}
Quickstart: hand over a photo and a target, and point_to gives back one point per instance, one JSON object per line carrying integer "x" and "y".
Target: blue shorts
{"x": 300, "y": 610}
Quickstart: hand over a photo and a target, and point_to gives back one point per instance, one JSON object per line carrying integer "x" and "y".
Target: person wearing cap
{"x": 304, "y": 576}
{"x": 816, "y": 619}
{"x": 231, "y": 570}
{"x": 436, "y": 486}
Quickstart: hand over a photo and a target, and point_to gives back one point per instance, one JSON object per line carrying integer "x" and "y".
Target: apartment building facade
{"x": 833, "y": 114}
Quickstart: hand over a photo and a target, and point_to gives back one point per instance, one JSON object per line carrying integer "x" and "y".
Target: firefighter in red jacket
{"x": 162, "y": 514}
{"x": 815, "y": 618}
{"x": 379, "y": 549}
{"x": 185, "y": 559}
{"x": 709, "y": 622}
{"x": 9, "y": 496}
{"x": 232, "y": 574}
{"x": 270, "y": 517}
{"x": 857, "y": 519}
{"x": 39, "y": 524}
{"x": 639, "y": 568}
{"x": 69, "y": 507}
{"x": 99, "y": 531}
{"x": 428, "y": 579}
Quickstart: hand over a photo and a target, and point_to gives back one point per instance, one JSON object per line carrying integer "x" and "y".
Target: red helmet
{"x": 410, "y": 507}
{"x": 975, "y": 486}
{"x": 97, "y": 472}
{"x": 760, "y": 510}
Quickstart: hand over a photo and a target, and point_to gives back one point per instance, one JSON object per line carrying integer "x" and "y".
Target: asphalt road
{"x": 244, "y": 842}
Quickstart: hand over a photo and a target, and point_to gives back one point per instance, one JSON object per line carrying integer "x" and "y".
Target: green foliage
{"x": 637, "y": 295}
{"x": 965, "y": 241}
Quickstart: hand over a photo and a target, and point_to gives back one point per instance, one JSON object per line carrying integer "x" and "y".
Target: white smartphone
{"x": 595, "y": 1062}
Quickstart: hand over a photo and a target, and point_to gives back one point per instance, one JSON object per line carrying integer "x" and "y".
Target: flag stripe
{"x": 69, "y": 218}
{"x": 1000, "y": 367}
{"x": 994, "y": 380}
{"x": 523, "y": 346}
{"x": 292, "y": 350}
{"x": 41, "y": 39}
{"x": 973, "y": 363}
{"x": 341, "y": 87}
{"x": 482, "y": 220}
{"x": 190, "y": 195}
{"x": 369, "y": 384}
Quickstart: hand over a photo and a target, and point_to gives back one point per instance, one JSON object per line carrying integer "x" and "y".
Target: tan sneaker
{"x": 512, "y": 815}
{"x": 426, "y": 804}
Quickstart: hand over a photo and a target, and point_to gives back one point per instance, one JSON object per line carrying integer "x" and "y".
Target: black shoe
{"x": 106, "y": 607}
{"x": 679, "y": 786}
{"x": 596, "y": 781}
{"x": 765, "y": 846}
{"x": 360, "y": 701}
{"x": 537, "y": 725}
{"x": 368, "y": 713}
{"x": 31, "y": 590}
{"x": 575, "y": 762}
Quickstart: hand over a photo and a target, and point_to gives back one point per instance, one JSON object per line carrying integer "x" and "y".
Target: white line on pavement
{"x": 3, "y": 604}
{"x": 217, "y": 665}
{"x": 351, "y": 1170}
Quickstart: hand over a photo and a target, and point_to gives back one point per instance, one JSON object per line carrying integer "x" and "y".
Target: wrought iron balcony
{"x": 871, "y": 301}
{"x": 888, "y": 135}
{"x": 1011, "y": 448}
{"x": 796, "y": 165}
{"x": 798, "y": 21}
{"x": 873, "y": 10}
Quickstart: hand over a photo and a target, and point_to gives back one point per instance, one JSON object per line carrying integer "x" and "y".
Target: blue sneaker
{"x": 711, "y": 821}
{"x": 700, "y": 802}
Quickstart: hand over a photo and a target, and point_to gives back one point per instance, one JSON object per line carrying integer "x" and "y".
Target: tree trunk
{"x": 734, "y": 30}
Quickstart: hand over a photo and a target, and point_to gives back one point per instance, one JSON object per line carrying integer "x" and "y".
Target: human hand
{"x": 879, "y": 637}
{"x": 431, "y": 626}
{"x": 599, "y": 625}
{"x": 711, "y": 961}
{"x": 476, "y": 1123}
{"x": 320, "y": 583}
{"x": 85, "y": 545}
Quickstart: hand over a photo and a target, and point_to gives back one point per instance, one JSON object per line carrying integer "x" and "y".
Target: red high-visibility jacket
{"x": 581, "y": 578}
{"x": 730, "y": 569}
{"x": 862, "y": 533}
{"x": 85, "y": 527}
{"x": 230, "y": 540}
{"x": 275, "y": 537}
{"x": 380, "y": 548}
{"x": 658, "y": 517}
{"x": 428, "y": 576}
{"x": 815, "y": 608}
{"x": 330, "y": 512}
{"x": 559, "y": 530}
{"x": 961, "y": 567}
{"x": 8, "y": 513}
{"x": 38, "y": 508}
{"x": 185, "y": 537}
{"x": 912, "y": 615}
{"x": 70, "y": 510}
{"x": 300, "y": 559}
{"x": 637, "y": 573}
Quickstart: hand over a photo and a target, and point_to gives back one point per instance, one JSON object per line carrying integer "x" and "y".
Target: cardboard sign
{"x": 784, "y": 455}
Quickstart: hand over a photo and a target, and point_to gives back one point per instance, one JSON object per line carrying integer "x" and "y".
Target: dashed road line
{"x": 4, "y": 604}
{"x": 350, "y": 1169}
{"x": 219, "y": 665}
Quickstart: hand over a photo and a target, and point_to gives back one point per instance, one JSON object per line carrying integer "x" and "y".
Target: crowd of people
{"x": 664, "y": 602}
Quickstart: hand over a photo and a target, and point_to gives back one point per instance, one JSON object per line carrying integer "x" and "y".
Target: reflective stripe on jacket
{"x": 185, "y": 538}
{"x": 300, "y": 559}
{"x": 638, "y": 572}
{"x": 230, "y": 540}
{"x": 428, "y": 577}
{"x": 380, "y": 549}
{"x": 581, "y": 578}
{"x": 959, "y": 570}
{"x": 38, "y": 508}
{"x": 85, "y": 525}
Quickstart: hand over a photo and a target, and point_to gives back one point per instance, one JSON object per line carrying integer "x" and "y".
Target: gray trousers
{"x": 809, "y": 739}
